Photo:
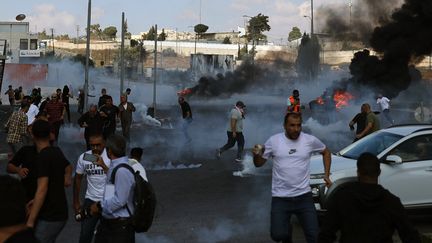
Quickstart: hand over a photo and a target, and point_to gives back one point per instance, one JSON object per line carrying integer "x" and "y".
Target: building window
{"x": 33, "y": 44}
{"x": 23, "y": 44}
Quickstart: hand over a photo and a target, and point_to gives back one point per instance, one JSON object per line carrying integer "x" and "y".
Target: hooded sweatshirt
{"x": 365, "y": 212}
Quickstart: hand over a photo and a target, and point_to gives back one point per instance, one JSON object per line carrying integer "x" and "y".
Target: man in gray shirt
{"x": 235, "y": 131}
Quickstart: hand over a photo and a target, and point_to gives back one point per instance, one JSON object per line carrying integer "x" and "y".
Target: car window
{"x": 374, "y": 143}
{"x": 414, "y": 149}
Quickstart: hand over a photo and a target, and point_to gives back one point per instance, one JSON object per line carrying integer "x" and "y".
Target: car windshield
{"x": 374, "y": 143}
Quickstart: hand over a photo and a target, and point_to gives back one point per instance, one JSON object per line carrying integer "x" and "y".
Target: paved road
{"x": 201, "y": 204}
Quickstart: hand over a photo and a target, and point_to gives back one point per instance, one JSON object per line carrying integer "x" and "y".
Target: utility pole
{"x": 87, "y": 56}
{"x": 200, "y": 13}
{"x": 312, "y": 29}
{"x": 155, "y": 72}
{"x": 122, "y": 67}
{"x": 77, "y": 38}
{"x": 52, "y": 40}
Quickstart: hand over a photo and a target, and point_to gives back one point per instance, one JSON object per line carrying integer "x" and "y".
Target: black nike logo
{"x": 292, "y": 151}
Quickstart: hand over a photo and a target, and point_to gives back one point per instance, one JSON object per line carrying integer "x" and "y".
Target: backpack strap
{"x": 124, "y": 165}
{"x": 112, "y": 179}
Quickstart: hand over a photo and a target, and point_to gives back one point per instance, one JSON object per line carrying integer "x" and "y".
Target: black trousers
{"x": 231, "y": 142}
{"x": 115, "y": 231}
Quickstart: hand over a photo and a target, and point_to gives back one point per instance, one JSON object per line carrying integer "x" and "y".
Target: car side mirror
{"x": 395, "y": 159}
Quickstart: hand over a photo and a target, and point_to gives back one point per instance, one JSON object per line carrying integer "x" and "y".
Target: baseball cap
{"x": 240, "y": 104}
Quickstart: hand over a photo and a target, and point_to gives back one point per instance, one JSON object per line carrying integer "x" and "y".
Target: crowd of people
{"x": 40, "y": 209}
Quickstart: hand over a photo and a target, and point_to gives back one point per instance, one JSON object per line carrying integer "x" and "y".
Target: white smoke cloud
{"x": 46, "y": 16}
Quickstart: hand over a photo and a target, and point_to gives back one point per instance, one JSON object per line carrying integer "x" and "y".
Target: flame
{"x": 184, "y": 92}
{"x": 320, "y": 100}
{"x": 342, "y": 98}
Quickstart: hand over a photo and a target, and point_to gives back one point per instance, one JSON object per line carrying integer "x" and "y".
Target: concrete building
{"x": 22, "y": 46}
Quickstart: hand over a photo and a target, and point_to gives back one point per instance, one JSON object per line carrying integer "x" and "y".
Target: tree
{"x": 43, "y": 35}
{"x": 294, "y": 34}
{"x": 200, "y": 29}
{"x": 151, "y": 34}
{"x": 162, "y": 36}
{"x": 127, "y": 34}
{"x": 255, "y": 28}
{"x": 226, "y": 40}
{"x": 308, "y": 60}
{"x": 110, "y": 32}
{"x": 62, "y": 37}
{"x": 95, "y": 31}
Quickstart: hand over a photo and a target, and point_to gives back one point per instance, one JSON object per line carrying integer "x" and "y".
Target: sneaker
{"x": 218, "y": 153}
{"x": 239, "y": 159}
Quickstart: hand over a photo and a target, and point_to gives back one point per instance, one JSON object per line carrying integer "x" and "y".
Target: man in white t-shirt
{"x": 291, "y": 194}
{"x": 96, "y": 179}
{"x": 235, "y": 131}
{"x": 384, "y": 104}
{"x": 135, "y": 161}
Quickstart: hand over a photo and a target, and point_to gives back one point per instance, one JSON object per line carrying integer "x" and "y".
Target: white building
{"x": 21, "y": 44}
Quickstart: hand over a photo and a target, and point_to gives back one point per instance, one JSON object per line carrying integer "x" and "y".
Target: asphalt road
{"x": 199, "y": 198}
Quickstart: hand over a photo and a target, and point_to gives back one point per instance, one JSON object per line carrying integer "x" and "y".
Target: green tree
{"x": 110, "y": 32}
{"x": 95, "y": 31}
{"x": 43, "y": 35}
{"x": 128, "y": 34}
{"x": 308, "y": 60}
{"x": 162, "y": 36}
{"x": 151, "y": 34}
{"x": 62, "y": 37}
{"x": 294, "y": 34}
{"x": 200, "y": 29}
{"x": 255, "y": 28}
{"x": 226, "y": 40}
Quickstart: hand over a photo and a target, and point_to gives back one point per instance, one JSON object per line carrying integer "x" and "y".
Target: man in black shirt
{"x": 109, "y": 113}
{"x": 364, "y": 211}
{"x": 23, "y": 164}
{"x": 103, "y": 98}
{"x": 48, "y": 213}
{"x": 13, "y": 212}
{"x": 92, "y": 122}
{"x": 360, "y": 120}
{"x": 187, "y": 117}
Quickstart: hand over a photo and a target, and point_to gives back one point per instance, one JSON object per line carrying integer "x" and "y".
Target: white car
{"x": 405, "y": 153}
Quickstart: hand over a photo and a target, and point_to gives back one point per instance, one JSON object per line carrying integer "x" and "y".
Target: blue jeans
{"x": 303, "y": 207}
{"x": 88, "y": 225}
{"x": 231, "y": 142}
{"x": 185, "y": 126}
{"x": 47, "y": 231}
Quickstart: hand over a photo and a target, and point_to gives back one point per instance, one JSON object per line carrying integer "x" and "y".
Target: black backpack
{"x": 144, "y": 200}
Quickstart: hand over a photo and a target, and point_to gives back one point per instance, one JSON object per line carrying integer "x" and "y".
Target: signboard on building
{"x": 29, "y": 53}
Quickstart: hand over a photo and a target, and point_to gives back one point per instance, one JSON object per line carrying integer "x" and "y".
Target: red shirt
{"x": 54, "y": 110}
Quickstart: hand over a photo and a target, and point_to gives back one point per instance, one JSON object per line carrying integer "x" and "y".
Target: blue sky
{"x": 219, "y": 15}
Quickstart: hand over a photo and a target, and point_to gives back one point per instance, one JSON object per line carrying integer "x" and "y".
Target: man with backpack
{"x": 117, "y": 204}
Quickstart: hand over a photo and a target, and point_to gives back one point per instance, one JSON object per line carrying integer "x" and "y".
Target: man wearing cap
{"x": 235, "y": 131}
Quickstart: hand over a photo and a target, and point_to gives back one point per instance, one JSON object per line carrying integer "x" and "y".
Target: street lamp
{"x": 86, "y": 73}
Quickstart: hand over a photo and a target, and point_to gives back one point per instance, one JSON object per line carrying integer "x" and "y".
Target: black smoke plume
{"x": 358, "y": 23}
{"x": 402, "y": 42}
{"x": 244, "y": 78}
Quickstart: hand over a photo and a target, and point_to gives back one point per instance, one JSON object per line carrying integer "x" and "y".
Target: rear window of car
{"x": 374, "y": 143}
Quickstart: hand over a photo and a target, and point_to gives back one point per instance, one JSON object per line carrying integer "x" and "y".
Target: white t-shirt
{"x": 137, "y": 166}
{"x": 96, "y": 177}
{"x": 384, "y": 103}
{"x": 291, "y": 163}
{"x": 31, "y": 113}
{"x": 237, "y": 115}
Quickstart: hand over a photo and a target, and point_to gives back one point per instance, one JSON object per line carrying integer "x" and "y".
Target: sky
{"x": 220, "y": 15}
